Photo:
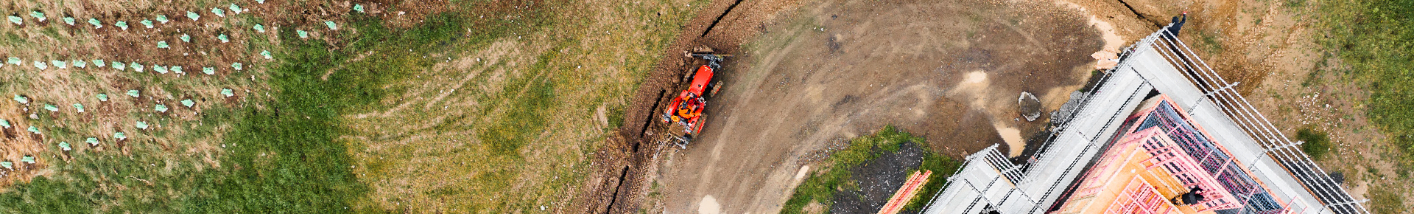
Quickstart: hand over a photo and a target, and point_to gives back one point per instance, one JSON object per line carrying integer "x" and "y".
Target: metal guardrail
{"x": 1275, "y": 144}
{"x": 1064, "y": 126}
{"x": 985, "y": 156}
{"x": 1222, "y": 94}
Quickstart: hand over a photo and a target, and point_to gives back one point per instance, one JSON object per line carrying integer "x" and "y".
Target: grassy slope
{"x": 509, "y": 125}
{"x": 280, "y": 154}
{"x": 1376, "y": 40}
{"x": 835, "y": 175}
{"x": 526, "y": 126}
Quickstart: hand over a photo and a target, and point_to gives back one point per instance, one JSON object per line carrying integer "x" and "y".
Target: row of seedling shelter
{"x": 19, "y": 20}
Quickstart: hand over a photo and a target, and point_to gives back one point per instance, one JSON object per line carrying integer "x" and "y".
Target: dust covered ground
{"x": 827, "y": 71}
{"x": 824, "y": 71}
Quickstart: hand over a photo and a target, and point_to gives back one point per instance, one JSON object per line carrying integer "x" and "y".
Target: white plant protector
{"x": 37, "y": 15}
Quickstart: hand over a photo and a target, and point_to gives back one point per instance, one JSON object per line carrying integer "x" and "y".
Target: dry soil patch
{"x": 949, "y": 71}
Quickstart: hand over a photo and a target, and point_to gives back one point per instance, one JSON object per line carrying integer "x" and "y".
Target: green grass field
{"x": 279, "y": 157}
{"x": 1375, "y": 40}
{"x": 364, "y": 123}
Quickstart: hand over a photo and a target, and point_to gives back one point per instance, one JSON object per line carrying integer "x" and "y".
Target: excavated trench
{"x": 631, "y": 157}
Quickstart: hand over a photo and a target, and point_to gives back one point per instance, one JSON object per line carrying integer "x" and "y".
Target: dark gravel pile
{"x": 877, "y": 179}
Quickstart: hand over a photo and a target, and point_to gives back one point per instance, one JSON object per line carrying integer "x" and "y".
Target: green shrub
{"x": 1317, "y": 143}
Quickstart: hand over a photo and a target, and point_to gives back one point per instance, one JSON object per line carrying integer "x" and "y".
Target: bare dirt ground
{"x": 828, "y": 71}
{"x": 822, "y": 72}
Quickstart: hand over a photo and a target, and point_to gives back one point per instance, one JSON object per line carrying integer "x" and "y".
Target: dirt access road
{"x": 814, "y": 73}
{"x": 820, "y": 74}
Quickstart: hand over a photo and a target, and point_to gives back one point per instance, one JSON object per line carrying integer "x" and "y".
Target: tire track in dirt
{"x": 859, "y": 66}
{"x": 631, "y": 154}
{"x": 625, "y": 168}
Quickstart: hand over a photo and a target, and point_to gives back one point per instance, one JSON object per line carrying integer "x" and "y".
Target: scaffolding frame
{"x": 1166, "y": 154}
{"x": 1275, "y": 143}
{"x": 1139, "y": 200}
{"x": 1214, "y": 159}
{"x": 1210, "y": 87}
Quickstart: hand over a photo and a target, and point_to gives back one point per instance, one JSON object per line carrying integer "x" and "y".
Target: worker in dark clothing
{"x": 1192, "y": 197}
{"x": 1178, "y": 23}
{"x": 1171, "y": 37}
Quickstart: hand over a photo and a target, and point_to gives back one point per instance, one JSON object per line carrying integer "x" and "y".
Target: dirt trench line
{"x": 719, "y": 18}
{"x": 625, "y": 158}
{"x": 1131, "y": 10}
{"x": 636, "y": 168}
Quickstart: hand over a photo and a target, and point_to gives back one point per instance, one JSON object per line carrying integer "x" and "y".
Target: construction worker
{"x": 690, "y": 106}
{"x": 1178, "y": 23}
{"x": 1172, "y": 38}
{"x": 1193, "y": 196}
{"x": 685, "y": 110}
